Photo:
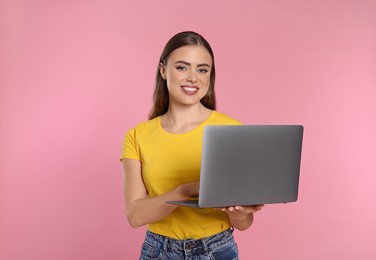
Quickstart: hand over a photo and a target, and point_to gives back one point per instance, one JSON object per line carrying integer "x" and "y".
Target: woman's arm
{"x": 241, "y": 217}
{"x": 141, "y": 209}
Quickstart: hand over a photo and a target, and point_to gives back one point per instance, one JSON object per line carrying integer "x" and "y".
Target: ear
{"x": 162, "y": 71}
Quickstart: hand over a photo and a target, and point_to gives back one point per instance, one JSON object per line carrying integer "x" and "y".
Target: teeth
{"x": 190, "y": 88}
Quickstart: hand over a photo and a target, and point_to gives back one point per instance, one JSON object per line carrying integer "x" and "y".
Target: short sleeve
{"x": 130, "y": 148}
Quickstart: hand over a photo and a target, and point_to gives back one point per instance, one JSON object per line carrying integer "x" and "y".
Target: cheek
{"x": 206, "y": 88}
{"x": 170, "y": 82}
{"x": 173, "y": 78}
{"x": 206, "y": 81}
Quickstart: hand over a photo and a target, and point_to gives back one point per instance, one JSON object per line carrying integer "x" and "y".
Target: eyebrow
{"x": 189, "y": 64}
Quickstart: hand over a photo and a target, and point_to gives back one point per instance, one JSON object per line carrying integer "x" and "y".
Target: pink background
{"x": 75, "y": 75}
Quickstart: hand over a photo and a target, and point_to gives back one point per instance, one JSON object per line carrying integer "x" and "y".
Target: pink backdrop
{"x": 75, "y": 75}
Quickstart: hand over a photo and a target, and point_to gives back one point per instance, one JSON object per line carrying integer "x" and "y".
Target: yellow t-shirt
{"x": 169, "y": 160}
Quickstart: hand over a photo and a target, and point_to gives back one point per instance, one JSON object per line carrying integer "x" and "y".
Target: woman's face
{"x": 187, "y": 73}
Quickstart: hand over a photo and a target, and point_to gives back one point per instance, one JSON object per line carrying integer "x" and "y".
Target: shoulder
{"x": 144, "y": 127}
{"x": 221, "y": 118}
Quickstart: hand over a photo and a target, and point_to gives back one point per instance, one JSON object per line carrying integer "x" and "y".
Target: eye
{"x": 182, "y": 68}
{"x": 203, "y": 71}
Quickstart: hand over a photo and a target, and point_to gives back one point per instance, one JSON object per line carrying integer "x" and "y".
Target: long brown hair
{"x": 161, "y": 98}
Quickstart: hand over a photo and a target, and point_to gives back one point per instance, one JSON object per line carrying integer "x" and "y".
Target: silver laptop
{"x": 248, "y": 165}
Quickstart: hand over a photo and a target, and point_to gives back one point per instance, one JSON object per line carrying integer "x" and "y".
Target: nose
{"x": 192, "y": 77}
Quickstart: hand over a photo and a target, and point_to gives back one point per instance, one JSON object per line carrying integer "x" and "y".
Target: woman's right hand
{"x": 190, "y": 189}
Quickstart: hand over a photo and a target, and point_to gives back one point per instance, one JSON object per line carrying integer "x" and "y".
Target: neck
{"x": 180, "y": 119}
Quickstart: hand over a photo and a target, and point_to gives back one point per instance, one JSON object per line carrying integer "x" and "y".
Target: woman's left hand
{"x": 241, "y": 217}
{"x": 238, "y": 212}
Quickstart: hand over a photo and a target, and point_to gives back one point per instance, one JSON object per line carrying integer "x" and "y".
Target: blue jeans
{"x": 221, "y": 246}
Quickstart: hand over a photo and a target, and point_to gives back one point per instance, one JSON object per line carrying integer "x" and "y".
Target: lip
{"x": 190, "y": 90}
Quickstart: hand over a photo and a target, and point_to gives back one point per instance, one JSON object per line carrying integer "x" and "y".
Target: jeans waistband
{"x": 188, "y": 245}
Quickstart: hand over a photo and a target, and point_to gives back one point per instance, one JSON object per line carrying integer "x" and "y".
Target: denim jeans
{"x": 221, "y": 246}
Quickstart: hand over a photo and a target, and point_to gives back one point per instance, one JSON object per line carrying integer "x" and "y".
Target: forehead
{"x": 191, "y": 54}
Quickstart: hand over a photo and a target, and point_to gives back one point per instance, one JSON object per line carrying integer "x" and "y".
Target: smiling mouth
{"x": 190, "y": 89}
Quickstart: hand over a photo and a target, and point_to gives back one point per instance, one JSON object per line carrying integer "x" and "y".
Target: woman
{"x": 161, "y": 159}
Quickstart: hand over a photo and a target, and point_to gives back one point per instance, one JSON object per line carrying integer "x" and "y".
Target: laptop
{"x": 248, "y": 165}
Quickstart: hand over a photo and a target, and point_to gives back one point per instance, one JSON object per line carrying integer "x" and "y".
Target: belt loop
{"x": 204, "y": 246}
{"x": 165, "y": 243}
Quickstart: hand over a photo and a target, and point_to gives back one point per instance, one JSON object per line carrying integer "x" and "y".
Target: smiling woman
{"x": 184, "y": 102}
{"x": 187, "y": 80}
{"x": 181, "y": 40}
